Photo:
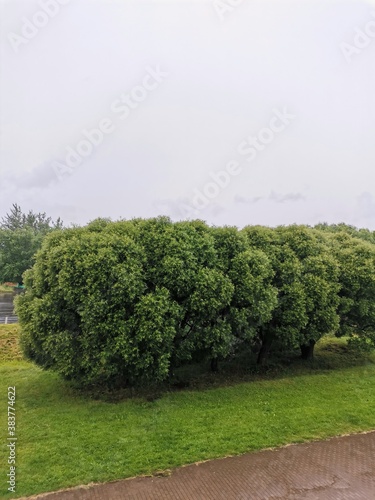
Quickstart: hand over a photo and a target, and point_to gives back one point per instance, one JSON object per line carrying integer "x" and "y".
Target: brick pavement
{"x": 337, "y": 469}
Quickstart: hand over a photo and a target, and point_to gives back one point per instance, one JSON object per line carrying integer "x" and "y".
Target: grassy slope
{"x": 65, "y": 439}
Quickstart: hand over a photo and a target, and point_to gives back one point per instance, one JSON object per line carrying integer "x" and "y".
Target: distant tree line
{"x": 21, "y": 235}
{"x": 116, "y": 303}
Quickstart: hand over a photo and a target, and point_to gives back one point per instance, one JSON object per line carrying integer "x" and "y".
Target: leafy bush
{"x": 128, "y": 302}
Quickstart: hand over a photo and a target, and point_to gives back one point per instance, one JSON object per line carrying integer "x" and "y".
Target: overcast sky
{"x": 253, "y": 112}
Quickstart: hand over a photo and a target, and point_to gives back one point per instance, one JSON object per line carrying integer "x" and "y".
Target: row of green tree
{"x": 21, "y": 235}
{"x": 119, "y": 302}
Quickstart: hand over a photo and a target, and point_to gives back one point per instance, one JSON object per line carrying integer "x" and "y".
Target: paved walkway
{"x": 337, "y": 469}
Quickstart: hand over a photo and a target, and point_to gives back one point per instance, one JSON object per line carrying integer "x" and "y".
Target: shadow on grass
{"x": 331, "y": 353}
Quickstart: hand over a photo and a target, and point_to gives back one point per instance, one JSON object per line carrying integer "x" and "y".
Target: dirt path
{"x": 337, "y": 469}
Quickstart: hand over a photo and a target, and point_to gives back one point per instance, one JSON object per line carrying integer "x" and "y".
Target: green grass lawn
{"x": 66, "y": 438}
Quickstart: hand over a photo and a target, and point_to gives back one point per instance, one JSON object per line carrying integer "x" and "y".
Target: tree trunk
{"x": 214, "y": 364}
{"x": 264, "y": 351}
{"x": 307, "y": 350}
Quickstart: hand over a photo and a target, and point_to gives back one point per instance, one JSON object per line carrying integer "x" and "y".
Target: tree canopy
{"x": 119, "y": 303}
{"x": 21, "y": 235}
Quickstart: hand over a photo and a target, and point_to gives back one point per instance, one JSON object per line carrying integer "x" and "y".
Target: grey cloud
{"x": 273, "y": 196}
{"x": 42, "y": 176}
{"x": 249, "y": 201}
{"x": 282, "y": 198}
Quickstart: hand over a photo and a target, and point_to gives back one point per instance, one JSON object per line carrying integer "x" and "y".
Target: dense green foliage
{"x": 131, "y": 301}
{"x": 357, "y": 293}
{"x": 21, "y": 235}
